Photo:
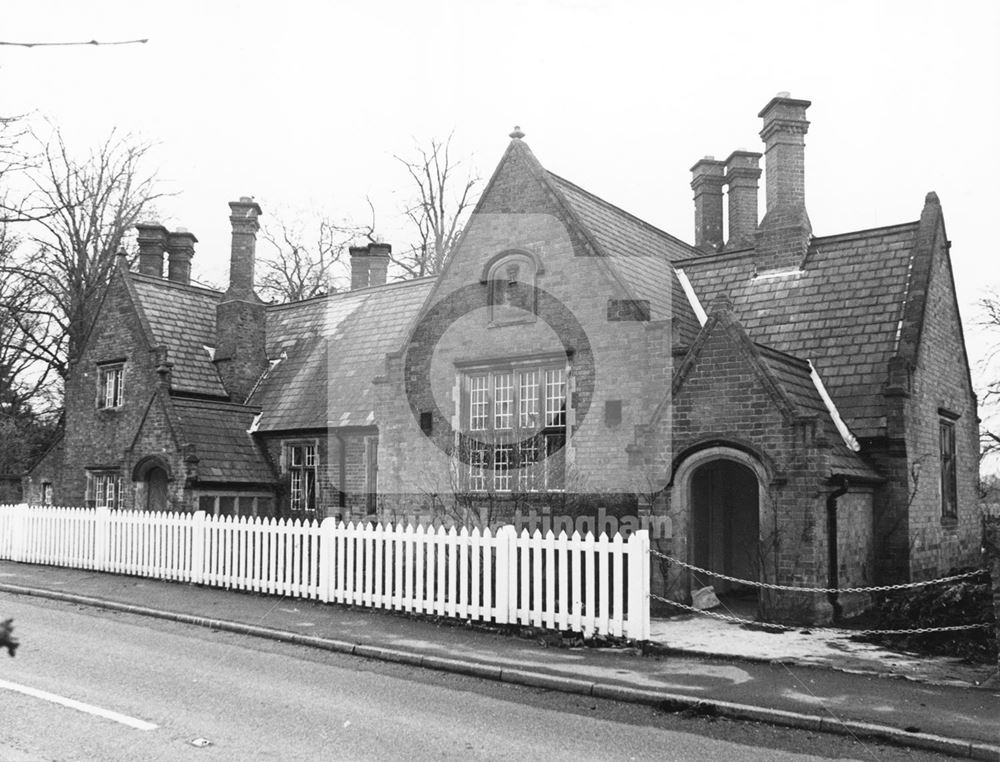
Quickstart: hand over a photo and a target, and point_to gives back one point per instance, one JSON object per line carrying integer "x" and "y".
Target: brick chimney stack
{"x": 369, "y": 265}
{"x": 783, "y": 237}
{"x": 152, "y": 241}
{"x": 180, "y": 247}
{"x": 243, "y": 217}
{"x": 240, "y": 356}
{"x": 742, "y": 174}
{"x": 707, "y": 179}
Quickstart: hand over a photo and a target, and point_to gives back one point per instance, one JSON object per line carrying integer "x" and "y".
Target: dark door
{"x": 726, "y": 523}
{"x": 156, "y": 489}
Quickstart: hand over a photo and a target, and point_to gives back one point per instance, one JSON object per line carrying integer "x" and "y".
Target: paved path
{"x": 822, "y": 697}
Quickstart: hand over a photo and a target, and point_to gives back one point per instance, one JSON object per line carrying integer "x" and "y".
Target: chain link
{"x": 740, "y": 620}
{"x": 772, "y": 586}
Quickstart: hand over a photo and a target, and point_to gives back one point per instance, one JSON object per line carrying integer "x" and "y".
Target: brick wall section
{"x": 613, "y": 363}
{"x": 156, "y": 438}
{"x": 941, "y": 382}
{"x": 855, "y": 548}
{"x": 98, "y": 438}
{"x": 722, "y": 399}
{"x": 328, "y": 477}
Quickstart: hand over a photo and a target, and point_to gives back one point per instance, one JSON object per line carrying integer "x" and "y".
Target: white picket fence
{"x": 583, "y": 584}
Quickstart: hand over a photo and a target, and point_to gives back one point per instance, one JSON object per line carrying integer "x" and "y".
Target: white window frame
{"x": 501, "y": 432}
{"x": 110, "y": 385}
{"x": 104, "y": 489}
{"x": 302, "y": 466}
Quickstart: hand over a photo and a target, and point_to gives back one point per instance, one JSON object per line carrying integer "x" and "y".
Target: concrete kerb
{"x": 670, "y": 702}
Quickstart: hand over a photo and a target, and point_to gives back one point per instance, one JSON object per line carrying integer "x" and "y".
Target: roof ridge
{"x": 344, "y": 294}
{"x": 714, "y": 257}
{"x": 154, "y": 280}
{"x": 204, "y": 401}
{"x": 644, "y": 223}
{"x": 866, "y": 231}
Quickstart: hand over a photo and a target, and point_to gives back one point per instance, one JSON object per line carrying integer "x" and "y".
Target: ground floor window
{"x": 46, "y": 493}
{"x": 104, "y": 489}
{"x": 302, "y": 463}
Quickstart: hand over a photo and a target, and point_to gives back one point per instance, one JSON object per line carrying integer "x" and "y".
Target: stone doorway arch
{"x": 720, "y": 493}
{"x": 151, "y": 477}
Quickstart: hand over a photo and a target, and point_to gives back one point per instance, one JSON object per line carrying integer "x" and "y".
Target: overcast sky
{"x": 303, "y": 105}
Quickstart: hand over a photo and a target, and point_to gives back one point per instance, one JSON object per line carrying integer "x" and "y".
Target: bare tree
{"x": 300, "y": 266}
{"x": 439, "y": 211}
{"x": 989, "y": 430}
{"x": 81, "y": 211}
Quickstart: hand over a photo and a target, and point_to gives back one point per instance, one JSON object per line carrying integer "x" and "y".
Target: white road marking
{"x": 107, "y": 714}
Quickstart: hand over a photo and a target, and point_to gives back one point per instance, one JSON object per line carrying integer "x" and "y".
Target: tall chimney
{"x": 180, "y": 248}
{"x": 707, "y": 179}
{"x": 152, "y": 241}
{"x": 742, "y": 174}
{"x": 240, "y": 354}
{"x": 369, "y": 264}
{"x": 243, "y": 217}
{"x": 782, "y": 240}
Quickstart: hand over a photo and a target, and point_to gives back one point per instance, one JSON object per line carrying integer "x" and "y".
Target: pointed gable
{"x": 727, "y": 383}
{"x": 842, "y": 310}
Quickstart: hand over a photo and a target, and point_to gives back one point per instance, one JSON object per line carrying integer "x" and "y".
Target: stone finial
{"x": 516, "y": 134}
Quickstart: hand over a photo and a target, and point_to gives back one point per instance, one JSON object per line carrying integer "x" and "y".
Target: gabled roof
{"x": 788, "y": 380}
{"x": 219, "y": 432}
{"x": 328, "y": 352}
{"x": 182, "y": 318}
{"x": 640, "y": 253}
{"x": 842, "y": 310}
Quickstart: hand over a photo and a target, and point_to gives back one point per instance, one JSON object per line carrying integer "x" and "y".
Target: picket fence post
{"x": 198, "y": 547}
{"x": 637, "y": 627}
{"x": 327, "y": 557}
{"x": 102, "y": 527}
{"x": 19, "y": 533}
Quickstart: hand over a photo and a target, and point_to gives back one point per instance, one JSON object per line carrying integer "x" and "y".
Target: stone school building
{"x": 787, "y": 406}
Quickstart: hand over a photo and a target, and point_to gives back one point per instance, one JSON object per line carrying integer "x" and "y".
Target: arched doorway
{"x": 156, "y": 489}
{"x": 725, "y": 524}
{"x": 720, "y": 502}
{"x": 151, "y": 477}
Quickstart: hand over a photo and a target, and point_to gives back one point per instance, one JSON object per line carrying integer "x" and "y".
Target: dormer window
{"x": 511, "y": 282}
{"x": 110, "y": 386}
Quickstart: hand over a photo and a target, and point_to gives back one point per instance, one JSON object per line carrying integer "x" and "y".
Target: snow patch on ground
{"x": 820, "y": 648}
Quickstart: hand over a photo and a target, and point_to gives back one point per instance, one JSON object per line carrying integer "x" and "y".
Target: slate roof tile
{"x": 821, "y": 314}
{"x": 183, "y": 319}
{"x": 219, "y": 431}
{"x": 332, "y": 348}
{"x": 640, "y": 253}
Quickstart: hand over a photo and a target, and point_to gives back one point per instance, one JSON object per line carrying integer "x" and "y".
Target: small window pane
{"x": 503, "y": 400}
{"x": 555, "y": 397}
{"x": 479, "y": 403}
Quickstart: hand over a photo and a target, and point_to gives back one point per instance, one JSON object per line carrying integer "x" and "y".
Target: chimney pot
{"x": 742, "y": 174}
{"x": 243, "y": 218}
{"x": 369, "y": 264}
{"x": 180, "y": 245}
{"x": 707, "y": 179}
{"x": 152, "y": 242}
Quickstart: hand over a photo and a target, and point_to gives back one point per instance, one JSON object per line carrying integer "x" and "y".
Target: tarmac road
{"x": 145, "y": 689}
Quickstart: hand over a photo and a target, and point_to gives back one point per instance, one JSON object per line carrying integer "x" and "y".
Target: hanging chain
{"x": 740, "y": 620}
{"x": 772, "y": 586}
